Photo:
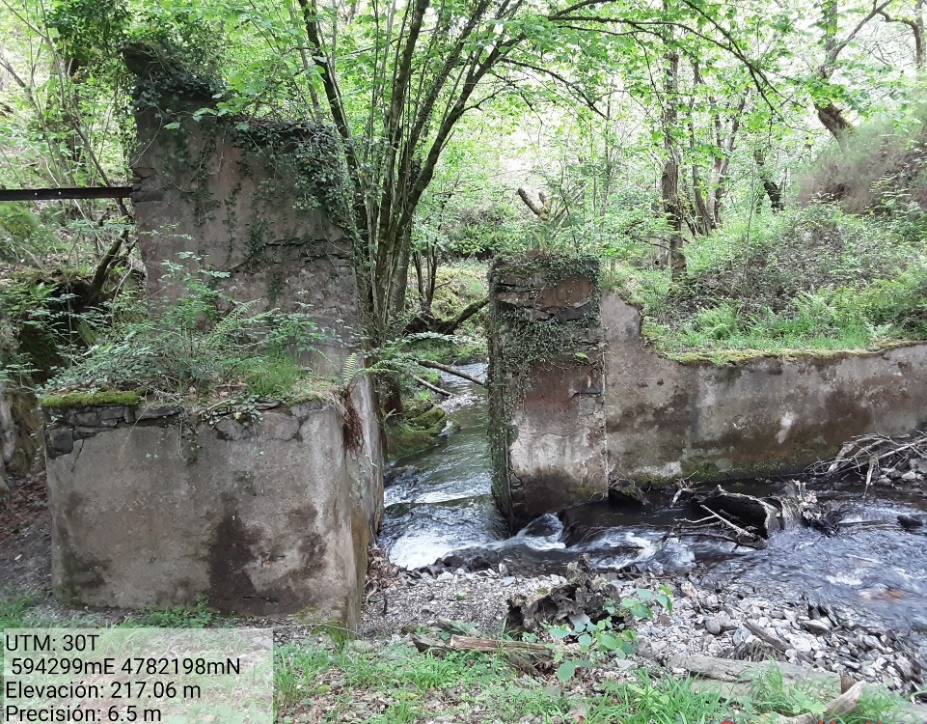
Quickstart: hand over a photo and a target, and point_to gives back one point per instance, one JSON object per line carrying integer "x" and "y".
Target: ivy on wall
{"x": 299, "y": 163}
{"x": 521, "y": 339}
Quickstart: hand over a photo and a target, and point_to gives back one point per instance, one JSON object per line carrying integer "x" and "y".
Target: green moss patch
{"x": 102, "y": 398}
{"x": 418, "y": 431}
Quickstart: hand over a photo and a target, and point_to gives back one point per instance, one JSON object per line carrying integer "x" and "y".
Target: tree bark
{"x": 773, "y": 190}
{"x": 669, "y": 180}
{"x": 832, "y": 118}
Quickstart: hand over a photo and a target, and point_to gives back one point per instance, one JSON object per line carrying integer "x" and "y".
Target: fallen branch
{"x": 450, "y": 370}
{"x": 857, "y": 454}
{"x": 425, "y": 322}
{"x": 724, "y": 521}
{"x": 474, "y": 643}
{"x": 843, "y": 704}
{"x": 729, "y": 670}
{"x": 434, "y": 388}
{"x": 517, "y": 649}
{"x": 777, "y": 643}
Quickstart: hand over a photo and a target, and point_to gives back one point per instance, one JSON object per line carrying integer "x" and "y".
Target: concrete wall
{"x": 667, "y": 420}
{"x": 230, "y": 197}
{"x": 605, "y": 408}
{"x": 158, "y": 507}
{"x": 546, "y": 378}
{"x": 263, "y": 517}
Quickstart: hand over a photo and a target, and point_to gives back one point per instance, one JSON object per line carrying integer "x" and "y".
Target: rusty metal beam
{"x": 88, "y": 192}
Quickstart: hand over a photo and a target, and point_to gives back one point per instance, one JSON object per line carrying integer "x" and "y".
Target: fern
{"x": 349, "y": 370}
{"x": 189, "y": 344}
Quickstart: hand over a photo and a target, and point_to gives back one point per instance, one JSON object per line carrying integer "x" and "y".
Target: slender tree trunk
{"x": 833, "y": 119}
{"x": 773, "y": 190}
{"x": 831, "y": 115}
{"x": 917, "y": 29}
{"x": 669, "y": 180}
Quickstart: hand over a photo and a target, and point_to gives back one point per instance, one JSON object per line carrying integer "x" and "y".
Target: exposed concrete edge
{"x": 739, "y": 357}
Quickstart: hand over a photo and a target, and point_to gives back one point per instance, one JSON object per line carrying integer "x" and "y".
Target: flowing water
{"x": 872, "y": 570}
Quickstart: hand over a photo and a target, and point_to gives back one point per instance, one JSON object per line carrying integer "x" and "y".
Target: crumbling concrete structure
{"x": 267, "y": 510}
{"x": 583, "y": 401}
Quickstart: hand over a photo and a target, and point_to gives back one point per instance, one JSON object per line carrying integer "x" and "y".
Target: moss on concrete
{"x": 102, "y": 398}
{"x": 733, "y": 357}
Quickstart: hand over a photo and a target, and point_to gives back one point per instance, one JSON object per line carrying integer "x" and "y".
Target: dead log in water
{"x": 749, "y": 520}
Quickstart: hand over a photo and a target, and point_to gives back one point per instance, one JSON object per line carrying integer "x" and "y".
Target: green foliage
{"x": 14, "y": 609}
{"x": 202, "y": 341}
{"x": 880, "y": 167}
{"x": 22, "y": 234}
{"x": 611, "y": 635}
{"x": 813, "y": 279}
{"x": 200, "y": 615}
{"x": 184, "y": 29}
{"x": 309, "y": 156}
{"x": 89, "y": 32}
{"x": 771, "y": 693}
{"x": 396, "y": 683}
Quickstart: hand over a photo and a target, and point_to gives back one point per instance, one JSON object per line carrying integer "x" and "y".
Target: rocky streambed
{"x": 846, "y": 595}
{"x": 705, "y": 621}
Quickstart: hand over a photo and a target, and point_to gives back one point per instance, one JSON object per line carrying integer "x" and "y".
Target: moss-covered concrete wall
{"x": 265, "y": 202}
{"x": 546, "y": 386}
{"x": 668, "y": 420}
{"x": 580, "y": 401}
{"x": 260, "y": 516}
{"x": 260, "y": 513}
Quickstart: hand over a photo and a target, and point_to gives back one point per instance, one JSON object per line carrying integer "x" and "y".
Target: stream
{"x": 872, "y": 571}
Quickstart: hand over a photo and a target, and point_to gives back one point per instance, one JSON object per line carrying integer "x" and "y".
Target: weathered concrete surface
{"x": 605, "y": 408}
{"x": 260, "y": 518}
{"x": 20, "y": 432}
{"x": 229, "y": 197}
{"x": 667, "y": 420}
{"x": 548, "y": 422}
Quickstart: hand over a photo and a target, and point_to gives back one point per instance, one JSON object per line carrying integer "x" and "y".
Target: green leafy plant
{"x": 197, "y": 344}
{"x": 610, "y": 635}
{"x": 198, "y": 616}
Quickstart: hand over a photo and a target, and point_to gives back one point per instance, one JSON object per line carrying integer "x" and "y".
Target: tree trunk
{"x": 917, "y": 29}
{"x": 833, "y": 120}
{"x": 669, "y": 181}
{"x": 773, "y": 190}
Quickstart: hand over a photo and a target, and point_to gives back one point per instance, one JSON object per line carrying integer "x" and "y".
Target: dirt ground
{"x": 25, "y": 537}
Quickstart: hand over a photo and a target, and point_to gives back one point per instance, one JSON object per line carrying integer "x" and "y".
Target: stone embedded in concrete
{"x": 270, "y": 522}
{"x": 277, "y": 426}
{"x": 153, "y": 412}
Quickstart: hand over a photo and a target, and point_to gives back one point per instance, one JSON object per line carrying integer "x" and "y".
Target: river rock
{"x": 741, "y": 635}
{"x": 818, "y": 626}
{"x": 713, "y": 625}
{"x": 905, "y": 667}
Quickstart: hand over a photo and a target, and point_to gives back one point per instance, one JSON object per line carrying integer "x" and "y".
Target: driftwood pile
{"x": 872, "y": 455}
{"x": 583, "y": 598}
{"x": 750, "y": 521}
